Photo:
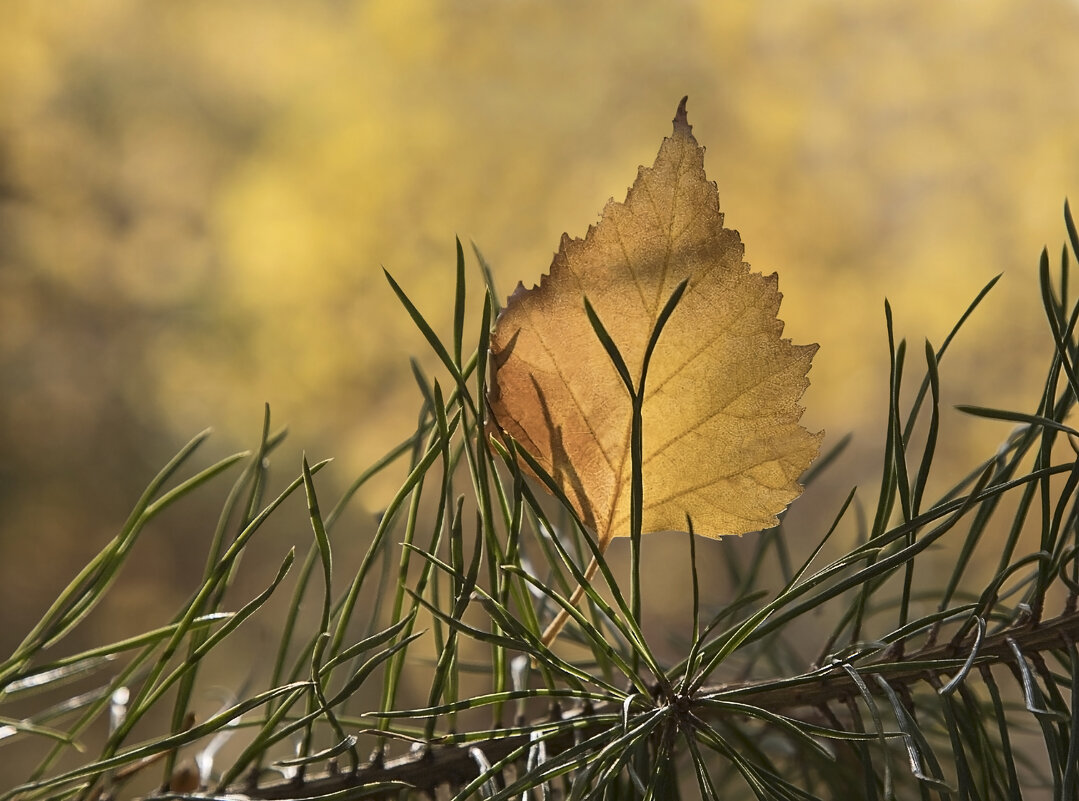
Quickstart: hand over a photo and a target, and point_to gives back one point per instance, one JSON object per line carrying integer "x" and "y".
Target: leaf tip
{"x": 681, "y": 120}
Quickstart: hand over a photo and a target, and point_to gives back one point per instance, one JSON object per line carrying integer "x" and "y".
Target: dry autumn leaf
{"x": 720, "y": 432}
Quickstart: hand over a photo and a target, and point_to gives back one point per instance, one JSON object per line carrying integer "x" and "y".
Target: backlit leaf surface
{"x": 721, "y": 438}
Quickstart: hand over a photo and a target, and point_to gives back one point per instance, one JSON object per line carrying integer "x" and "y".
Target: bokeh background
{"x": 197, "y": 199}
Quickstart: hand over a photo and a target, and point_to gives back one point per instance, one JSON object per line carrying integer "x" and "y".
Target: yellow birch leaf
{"x": 721, "y": 438}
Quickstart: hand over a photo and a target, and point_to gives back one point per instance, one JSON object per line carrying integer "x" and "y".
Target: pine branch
{"x": 627, "y": 744}
{"x": 455, "y": 764}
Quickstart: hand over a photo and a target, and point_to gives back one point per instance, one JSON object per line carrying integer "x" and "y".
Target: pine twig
{"x": 454, "y": 763}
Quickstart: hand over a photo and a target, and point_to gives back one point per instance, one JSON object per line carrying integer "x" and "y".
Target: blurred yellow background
{"x": 197, "y": 198}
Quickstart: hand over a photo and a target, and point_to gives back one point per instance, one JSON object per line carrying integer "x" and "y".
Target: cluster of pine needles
{"x": 972, "y": 699}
